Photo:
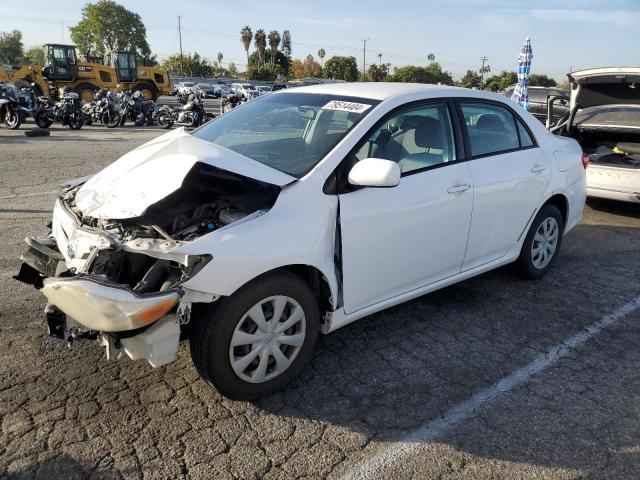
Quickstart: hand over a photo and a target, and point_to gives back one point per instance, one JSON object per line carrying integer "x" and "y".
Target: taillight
{"x": 585, "y": 160}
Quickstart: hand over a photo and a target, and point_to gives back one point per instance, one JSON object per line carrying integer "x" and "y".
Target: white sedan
{"x": 298, "y": 213}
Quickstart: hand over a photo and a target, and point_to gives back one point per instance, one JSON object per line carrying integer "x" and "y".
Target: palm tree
{"x": 321, "y": 54}
{"x": 260, "y": 41}
{"x": 274, "y": 43}
{"x": 245, "y": 36}
{"x": 220, "y": 57}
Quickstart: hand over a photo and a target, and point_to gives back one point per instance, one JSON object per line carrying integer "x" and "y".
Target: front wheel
{"x": 257, "y": 340}
{"x": 42, "y": 120}
{"x": 12, "y": 117}
{"x": 75, "y": 121}
{"x": 165, "y": 120}
{"x": 110, "y": 119}
{"x": 542, "y": 243}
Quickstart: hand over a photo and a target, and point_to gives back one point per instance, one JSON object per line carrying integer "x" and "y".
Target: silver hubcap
{"x": 267, "y": 339}
{"x": 545, "y": 242}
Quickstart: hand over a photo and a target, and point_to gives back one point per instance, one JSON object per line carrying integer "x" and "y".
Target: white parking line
{"x": 26, "y": 195}
{"x": 367, "y": 468}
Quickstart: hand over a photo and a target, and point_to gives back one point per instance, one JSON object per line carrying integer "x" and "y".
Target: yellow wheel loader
{"x": 63, "y": 69}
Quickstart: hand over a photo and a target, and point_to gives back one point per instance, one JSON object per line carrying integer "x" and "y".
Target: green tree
{"x": 233, "y": 70}
{"x": 194, "y": 65}
{"x": 260, "y": 42}
{"x": 106, "y": 27}
{"x": 34, "y": 55}
{"x": 411, "y": 74}
{"x": 471, "y": 79}
{"x": 274, "y": 43}
{"x": 266, "y": 72}
{"x": 220, "y": 57}
{"x": 280, "y": 61}
{"x": 377, "y": 73}
{"x": 541, "y": 80}
{"x": 246, "y": 35}
{"x": 321, "y": 54}
{"x": 11, "y": 47}
{"x": 286, "y": 44}
{"x": 341, "y": 68}
{"x": 497, "y": 83}
{"x": 435, "y": 74}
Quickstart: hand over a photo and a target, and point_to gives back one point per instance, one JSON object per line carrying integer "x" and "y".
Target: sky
{"x": 565, "y": 36}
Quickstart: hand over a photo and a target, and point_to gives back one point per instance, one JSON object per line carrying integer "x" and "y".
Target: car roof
{"x": 386, "y": 90}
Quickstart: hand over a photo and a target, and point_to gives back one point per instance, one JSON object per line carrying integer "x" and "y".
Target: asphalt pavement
{"x": 492, "y": 378}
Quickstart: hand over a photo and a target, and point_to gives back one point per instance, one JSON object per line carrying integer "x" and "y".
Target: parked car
{"x": 245, "y": 90}
{"x": 183, "y": 88}
{"x": 262, "y": 89}
{"x": 605, "y": 119}
{"x": 299, "y": 213}
{"x": 209, "y": 91}
{"x": 538, "y": 101}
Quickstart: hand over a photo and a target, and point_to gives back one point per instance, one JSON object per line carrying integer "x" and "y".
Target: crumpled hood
{"x": 146, "y": 175}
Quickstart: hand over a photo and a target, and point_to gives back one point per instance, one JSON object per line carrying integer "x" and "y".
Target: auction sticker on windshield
{"x": 346, "y": 106}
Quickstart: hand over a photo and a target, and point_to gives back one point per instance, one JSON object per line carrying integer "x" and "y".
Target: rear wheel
{"x": 148, "y": 90}
{"x": 257, "y": 340}
{"x": 542, "y": 243}
{"x": 86, "y": 91}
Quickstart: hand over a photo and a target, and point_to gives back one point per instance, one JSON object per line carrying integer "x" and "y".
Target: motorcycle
{"x": 27, "y": 101}
{"x": 134, "y": 107}
{"x": 9, "y": 106}
{"x": 67, "y": 111}
{"x": 104, "y": 109}
{"x": 230, "y": 101}
{"x": 109, "y": 110}
{"x": 191, "y": 115}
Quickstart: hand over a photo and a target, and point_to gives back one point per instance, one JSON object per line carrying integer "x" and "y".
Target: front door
{"x": 398, "y": 239}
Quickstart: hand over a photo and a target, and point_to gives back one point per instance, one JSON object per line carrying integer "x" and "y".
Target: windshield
{"x": 290, "y": 132}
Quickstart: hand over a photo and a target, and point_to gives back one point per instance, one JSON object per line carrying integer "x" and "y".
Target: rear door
{"x": 510, "y": 175}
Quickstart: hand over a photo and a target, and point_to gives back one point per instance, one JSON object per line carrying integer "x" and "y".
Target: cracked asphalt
{"x": 70, "y": 414}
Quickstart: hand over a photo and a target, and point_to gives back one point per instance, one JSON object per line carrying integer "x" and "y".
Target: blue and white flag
{"x": 520, "y": 93}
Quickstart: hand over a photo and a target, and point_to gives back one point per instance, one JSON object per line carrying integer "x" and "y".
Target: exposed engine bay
{"x": 209, "y": 199}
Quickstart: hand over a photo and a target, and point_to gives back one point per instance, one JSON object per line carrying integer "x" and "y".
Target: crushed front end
{"x": 121, "y": 281}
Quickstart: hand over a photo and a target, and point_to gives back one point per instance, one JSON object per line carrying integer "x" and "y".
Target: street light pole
{"x": 181, "y": 57}
{"x": 364, "y": 58}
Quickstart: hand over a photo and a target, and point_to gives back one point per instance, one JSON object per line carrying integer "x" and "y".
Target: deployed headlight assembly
{"x": 107, "y": 307}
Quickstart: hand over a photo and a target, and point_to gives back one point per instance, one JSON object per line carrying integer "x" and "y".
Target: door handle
{"x": 459, "y": 188}
{"x": 538, "y": 168}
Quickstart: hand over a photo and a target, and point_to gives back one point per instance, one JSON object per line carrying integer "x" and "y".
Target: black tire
{"x": 42, "y": 121}
{"x": 76, "y": 121}
{"x": 110, "y": 119}
{"x": 86, "y": 91}
{"x": 524, "y": 265}
{"x": 213, "y": 326}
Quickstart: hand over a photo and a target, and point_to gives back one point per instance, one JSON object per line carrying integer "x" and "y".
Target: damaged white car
{"x": 299, "y": 213}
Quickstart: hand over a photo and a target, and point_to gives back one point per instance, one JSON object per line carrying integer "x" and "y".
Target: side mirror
{"x": 375, "y": 172}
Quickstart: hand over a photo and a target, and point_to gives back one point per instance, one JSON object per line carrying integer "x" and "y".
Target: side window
{"x": 491, "y": 128}
{"x": 415, "y": 139}
{"x": 525, "y": 137}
